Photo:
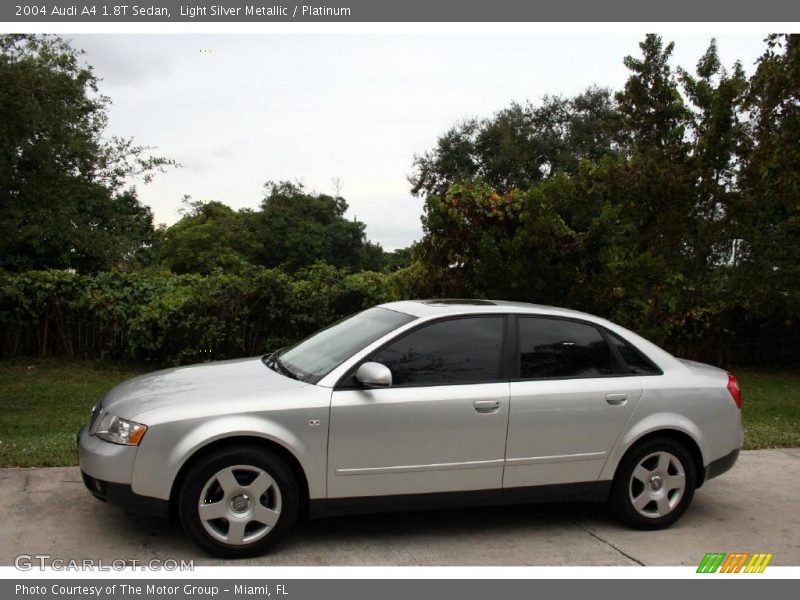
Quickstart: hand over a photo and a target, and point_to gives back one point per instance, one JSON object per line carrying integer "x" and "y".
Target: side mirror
{"x": 374, "y": 375}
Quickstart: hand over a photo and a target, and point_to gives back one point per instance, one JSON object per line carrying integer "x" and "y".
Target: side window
{"x": 560, "y": 348}
{"x": 634, "y": 360}
{"x": 463, "y": 350}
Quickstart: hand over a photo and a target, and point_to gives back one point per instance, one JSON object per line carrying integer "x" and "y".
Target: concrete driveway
{"x": 753, "y": 508}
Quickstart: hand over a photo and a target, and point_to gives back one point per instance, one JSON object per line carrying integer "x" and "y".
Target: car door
{"x": 440, "y": 427}
{"x": 569, "y": 403}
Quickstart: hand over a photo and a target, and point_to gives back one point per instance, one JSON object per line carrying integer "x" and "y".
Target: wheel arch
{"x": 252, "y": 441}
{"x": 681, "y": 437}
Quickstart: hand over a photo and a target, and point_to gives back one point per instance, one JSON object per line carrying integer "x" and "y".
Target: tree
{"x": 718, "y": 143}
{"x": 398, "y": 259}
{"x": 652, "y": 108}
{"x": 628, "y": 216}
{"x": 522, "y": 144}
{"x": 766, "y": 215}
{"x": 295, "y": 229}
{"x": 513, "y": 245}
{"x": 66, "y": 199}
{"x": 209, "y": 236}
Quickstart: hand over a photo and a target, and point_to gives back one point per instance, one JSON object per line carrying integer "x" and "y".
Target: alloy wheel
{"x": 239, "y": 504}
{"x": 657, "y": 484}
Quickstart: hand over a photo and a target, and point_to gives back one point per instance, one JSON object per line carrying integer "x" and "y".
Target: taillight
{"x": 733, "y": 388}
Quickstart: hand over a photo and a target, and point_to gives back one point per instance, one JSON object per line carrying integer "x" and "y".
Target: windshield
{"x": 318, "y": 355}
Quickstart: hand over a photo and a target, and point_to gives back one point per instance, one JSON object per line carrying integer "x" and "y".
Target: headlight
{"x": 119, "y": 431}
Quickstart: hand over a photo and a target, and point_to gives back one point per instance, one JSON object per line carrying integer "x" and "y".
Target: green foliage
{"x": 397, "y": 259}
{"x": 765, "y": 215}
{"x": 653, "y": 111}
{"x": 211, "y": 236}
{"x": 168, "y": 318}
{"x": 522, "y": 144}
{"x": 682, "y": 222}
{"x": 670, "y": 206}
{"x": 63, "y": 201}
{"x": 294, "y": 229}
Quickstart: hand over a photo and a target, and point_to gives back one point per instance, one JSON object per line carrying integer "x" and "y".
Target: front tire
{"x": 238, "y": 502}
{"x": 654, "y": 484}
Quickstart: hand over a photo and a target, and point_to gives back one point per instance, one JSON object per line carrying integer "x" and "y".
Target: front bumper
{"x": 121, "y": 494}
{"x": 104, "y": 460}
{"x": 107, "y": 471}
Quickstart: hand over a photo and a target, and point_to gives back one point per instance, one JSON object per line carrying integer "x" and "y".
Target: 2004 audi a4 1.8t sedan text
{"x": 416, "y": 404}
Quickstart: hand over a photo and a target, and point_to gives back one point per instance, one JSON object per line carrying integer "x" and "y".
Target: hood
{"x": 201, "y": 383}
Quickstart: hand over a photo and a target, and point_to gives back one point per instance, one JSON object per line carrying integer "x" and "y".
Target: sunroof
{"x": 468, "y": 301}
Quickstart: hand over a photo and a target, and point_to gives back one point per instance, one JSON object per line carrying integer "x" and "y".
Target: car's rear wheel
{"x": 654, "y": 484}
{"x": 238, "y": 502}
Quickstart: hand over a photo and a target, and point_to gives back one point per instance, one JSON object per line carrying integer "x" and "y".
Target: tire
{"x": 250, "y": 499}
{"x": 654, "y": 484}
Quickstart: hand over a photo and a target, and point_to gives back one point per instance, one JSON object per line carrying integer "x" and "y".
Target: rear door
{"x": 569, "y": 403}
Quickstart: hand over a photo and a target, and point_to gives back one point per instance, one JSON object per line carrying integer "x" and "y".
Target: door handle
{"x": 616, "y": 399}
{"x": 486, "y": 406}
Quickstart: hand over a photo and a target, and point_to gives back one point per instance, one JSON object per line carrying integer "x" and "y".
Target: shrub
{"x": 177, "y": 319}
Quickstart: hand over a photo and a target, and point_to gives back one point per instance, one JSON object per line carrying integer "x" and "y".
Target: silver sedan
{"x": 410, "y": 405}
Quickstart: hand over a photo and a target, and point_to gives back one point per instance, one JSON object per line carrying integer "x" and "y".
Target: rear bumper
{"x": 721, "y": 465}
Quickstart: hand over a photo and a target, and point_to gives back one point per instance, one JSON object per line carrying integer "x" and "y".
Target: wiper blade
{"x": 269, "y": 359}
{"x": 284, "y": 369}
{"x": 272, "y": 361}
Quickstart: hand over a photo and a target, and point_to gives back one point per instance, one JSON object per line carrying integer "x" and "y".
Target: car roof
{"x": 460, "y": 306}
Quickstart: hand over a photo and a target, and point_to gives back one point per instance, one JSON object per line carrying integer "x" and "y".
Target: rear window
{"x": 559, "y": 348}
{"x": 635, "y": 361}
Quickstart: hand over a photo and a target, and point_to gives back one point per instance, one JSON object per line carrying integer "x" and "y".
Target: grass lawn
{"x": 771, "y": 408}
{"x": 43, "y": 403}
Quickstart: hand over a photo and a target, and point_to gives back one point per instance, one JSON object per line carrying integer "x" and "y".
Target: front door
{"x": 440, "y": 427}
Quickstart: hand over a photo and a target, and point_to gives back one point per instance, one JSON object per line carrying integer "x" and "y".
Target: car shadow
{"x": 385, "y": 538}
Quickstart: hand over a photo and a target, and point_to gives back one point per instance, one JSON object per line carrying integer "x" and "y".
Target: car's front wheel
{"x": 654, "y": 484}
{"x": 238, "y": 502}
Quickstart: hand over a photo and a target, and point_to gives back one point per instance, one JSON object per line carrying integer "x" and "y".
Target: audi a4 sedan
{"x": 416, "y": 404}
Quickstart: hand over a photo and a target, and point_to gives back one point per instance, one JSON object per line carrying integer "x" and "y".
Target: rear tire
{"x": 654, "y": 484}
{"x": 238, "y": 502}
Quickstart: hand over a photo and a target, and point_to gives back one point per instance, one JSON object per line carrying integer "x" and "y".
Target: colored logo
{"x": 736, "y": 562}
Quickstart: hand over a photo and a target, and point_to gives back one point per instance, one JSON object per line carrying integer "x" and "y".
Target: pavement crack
{"x": 607, "y": 543}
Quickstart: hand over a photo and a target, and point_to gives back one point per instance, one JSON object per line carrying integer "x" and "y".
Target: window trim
{"x": 505, "y": 365}
{"x": 620, "y": 363}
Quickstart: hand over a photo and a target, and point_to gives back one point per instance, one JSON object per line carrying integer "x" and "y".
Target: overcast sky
{"x": 238, "y": 110}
